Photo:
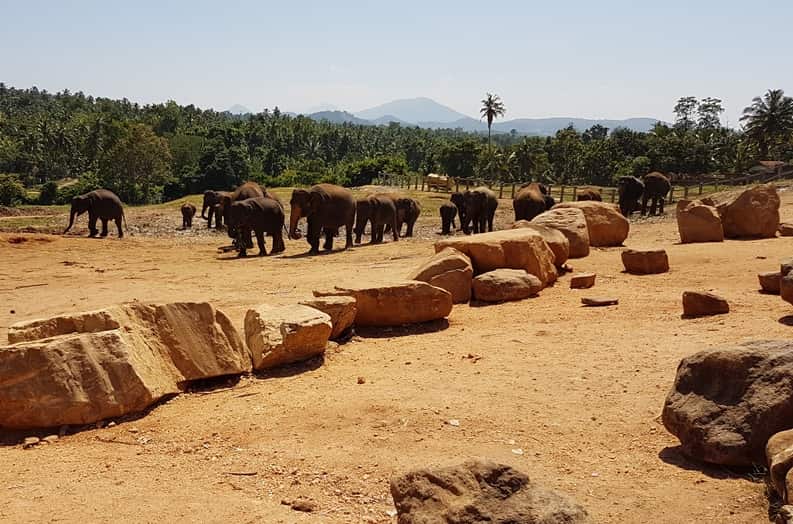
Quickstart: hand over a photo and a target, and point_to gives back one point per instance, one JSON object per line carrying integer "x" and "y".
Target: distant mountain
{"x": 339, "y": 117}
{"x": 321, "y": 108}
{"x": 239, "y": 110}
{"x": 388, "y": 119}
{"x": 543, "y": 126}
{"x": 413, "y": 110}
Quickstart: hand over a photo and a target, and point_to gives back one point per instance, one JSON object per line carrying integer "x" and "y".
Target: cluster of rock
{"x": 753, "y": 213}
{"x": 82, "y": 368}
{"x": 779, "y": 282}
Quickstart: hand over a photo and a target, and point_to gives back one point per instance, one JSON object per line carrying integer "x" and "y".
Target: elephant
{"x": 212, "y": 202}
{"x": 188, "y": 212}
{"x": 259, "y": 215}
{"x": 101, "y": 204}
{"x": 448, "y": 212}
{"x": 243, "y": 192}
{"x": 630, "y": 190}
{"x": 381, "y": 210}
{"x": 458, "y": 199}
{"x": 588, "y": 193}
{"x": 408, "y": 211}
{"x": 656, "y": 187}
{"x": 326, "y": 207}
{"x": 480, "y": 209}
{"x": 531, "y": 200}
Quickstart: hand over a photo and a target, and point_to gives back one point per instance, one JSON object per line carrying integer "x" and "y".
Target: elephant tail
{"x": 124, "y": 218}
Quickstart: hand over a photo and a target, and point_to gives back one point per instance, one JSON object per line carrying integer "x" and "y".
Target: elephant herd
{"x": 251, "y": 210}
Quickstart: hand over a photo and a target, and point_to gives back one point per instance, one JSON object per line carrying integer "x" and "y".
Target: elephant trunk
{"x": 294, "y": 217}
{"x": 203, "y": 210}
{"x": 71, "y": 220}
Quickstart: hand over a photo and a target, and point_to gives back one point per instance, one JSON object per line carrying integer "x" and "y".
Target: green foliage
{"x": 769, "y": 123}
{"x": 12, "y": 192}
{"x": 49, "y": 193}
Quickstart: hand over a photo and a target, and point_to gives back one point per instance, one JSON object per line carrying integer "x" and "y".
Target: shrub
{"x": 12, "y": 192}
{"x": 49, "y": 194}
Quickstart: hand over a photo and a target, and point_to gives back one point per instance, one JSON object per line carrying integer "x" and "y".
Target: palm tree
{"x": 769, "y": 119}
{"x": 492, "y": 108}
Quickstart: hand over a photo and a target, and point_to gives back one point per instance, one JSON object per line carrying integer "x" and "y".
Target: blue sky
{"x": 609, "y": 59}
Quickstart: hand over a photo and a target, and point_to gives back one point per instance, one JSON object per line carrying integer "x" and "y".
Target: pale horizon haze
{"x": 613, "y": 59}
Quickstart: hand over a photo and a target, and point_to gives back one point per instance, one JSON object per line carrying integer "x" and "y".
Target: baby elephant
{"x": 188, "y": 212}
{"x": 380, "y": 210}
{"x": 260, "y": 215}
{"x": 448, "y": 212}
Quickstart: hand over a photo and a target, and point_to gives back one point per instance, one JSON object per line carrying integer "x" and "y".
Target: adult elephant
{"x": 588, "y": 193}
{"x": 480, "y": 209}
{"x": 458, "y": 199}
{"x": 381, "y": 211}
{"x": 448, "y": 212}
{"x": 531, "y": 200}
{"x": 212, "y": 203}
{"x": 630, "y": 190}
{"x": 656, "y": 187}
{"x": 326, "y": 208}
{"x": 101, "y": 204}
{"x": 259, "y": 215}
{"x": 243, "y": 192}
{"x": 408, "y": 211}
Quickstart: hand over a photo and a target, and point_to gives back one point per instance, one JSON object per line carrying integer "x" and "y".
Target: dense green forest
{"x": 158, "y": 152}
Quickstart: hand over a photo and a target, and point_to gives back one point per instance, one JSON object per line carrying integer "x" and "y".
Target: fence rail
{"x": 562, "y": 193}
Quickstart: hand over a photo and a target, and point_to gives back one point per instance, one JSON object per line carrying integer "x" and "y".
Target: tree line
{"x": 151, "y": 153}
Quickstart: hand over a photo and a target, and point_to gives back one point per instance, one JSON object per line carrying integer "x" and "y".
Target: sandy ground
{"x": 570, "y": 395}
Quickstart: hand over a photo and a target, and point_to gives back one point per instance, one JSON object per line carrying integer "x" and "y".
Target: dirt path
{"x": 570, "y": 395}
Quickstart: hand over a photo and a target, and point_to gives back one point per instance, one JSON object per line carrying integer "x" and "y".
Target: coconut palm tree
{"x": 492, "y": 108}
{"x": 769, "y": 119}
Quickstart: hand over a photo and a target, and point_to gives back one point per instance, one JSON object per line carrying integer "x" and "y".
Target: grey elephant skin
{"x": 101, "y": 204}
{"x": 257, "y": 215}
{"x": 326, "y": 208}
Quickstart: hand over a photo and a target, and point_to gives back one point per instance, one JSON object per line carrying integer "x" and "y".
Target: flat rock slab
{"x": 341, "y": 310}
{"x": 502, "y": 285}
{"x": 702, "y": 304}
{"x": 448, "y": 269}
{"x": 770, "y": 281}
{"x": 409, "y": 302}
{"x": 599, "y": 301}
{"x": 509, "y": 249}
{"x": 279, "y": 335}
{"x": 645, "y": 262}
{"x": 479, "y": 491}
{"x": 727, "y": 402}
{"x": 81, "y": 368}
{"x": 582, "y": 281}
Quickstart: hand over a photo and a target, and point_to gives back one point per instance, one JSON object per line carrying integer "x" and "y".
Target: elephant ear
{"x": 317, "y": 198}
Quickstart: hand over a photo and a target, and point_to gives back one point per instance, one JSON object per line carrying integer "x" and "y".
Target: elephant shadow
{"x": 423, "y": 328}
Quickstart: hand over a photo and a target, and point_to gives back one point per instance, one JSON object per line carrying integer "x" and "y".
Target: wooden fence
{"x": 563, "y": 193}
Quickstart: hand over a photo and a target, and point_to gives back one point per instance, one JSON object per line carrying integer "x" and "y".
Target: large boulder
{"x": 448, "y": 269}
{"x": 409, "y": 302}
{"x": 698, "y": 222}
{"x": 645, "y": 261}
{"x": 572, "y": 224}
{"x": 607, "y": 227}
{"x": 779, "y": 459}
{"x": 341, "y": 310}
{"x": 770, "y": 281}
{"x": 278, "y": 335}
{"x": 81, "y": 368}
{"x": 786, "y": 288}
{"x": 501, "y": 285}
{"x": 510, "y": 249}
{"x": 753, "y": 213}
{"x": 726, "y": 403}
{"x": 553, "y": 237}
{"x": 479, "y": 491}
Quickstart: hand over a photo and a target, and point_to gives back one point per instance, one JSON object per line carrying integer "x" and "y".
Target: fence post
{"x": 685, "y": 192}
{"x": 700, "y": 188}
{"x": 456, "y": 185}
{"x": 501, "y": 190}
{"x": 561, "y": 194}
{"x": 513, "y": 190}
{"x": 575, "y": 192}
{"x": 613, "y": 195}
{"x": 466, "y": 184}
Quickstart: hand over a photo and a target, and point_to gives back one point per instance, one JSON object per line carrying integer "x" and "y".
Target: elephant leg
{"x": 396, "y": 232}
{"x": 490, "y": 222}
{"x": 209, "y": 220}
{"x": 312, "y": 235}
{"x": 260, "y": 243}
{"x": 380, "y": 228}
{"x": 118, "y": 226}
{"x": 644, "y": 205}
{"x": 104, "y": 227}
{"x": 328, "y": 246}
{"x": 278, "y": 241}
{"x": 243, "y": 250}
{"x": 661, "y": 203}
{"x": 348, "y": 229}
{"x": 409, "y": 232}
{"x": 92, "y": 231}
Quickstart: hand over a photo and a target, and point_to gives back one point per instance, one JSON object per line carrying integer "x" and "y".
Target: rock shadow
{"x": 673, "y": 455}
{"x": 291, "y": 370}
{"x": 787, "y": 320}
{"x": 402, "y": 331}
